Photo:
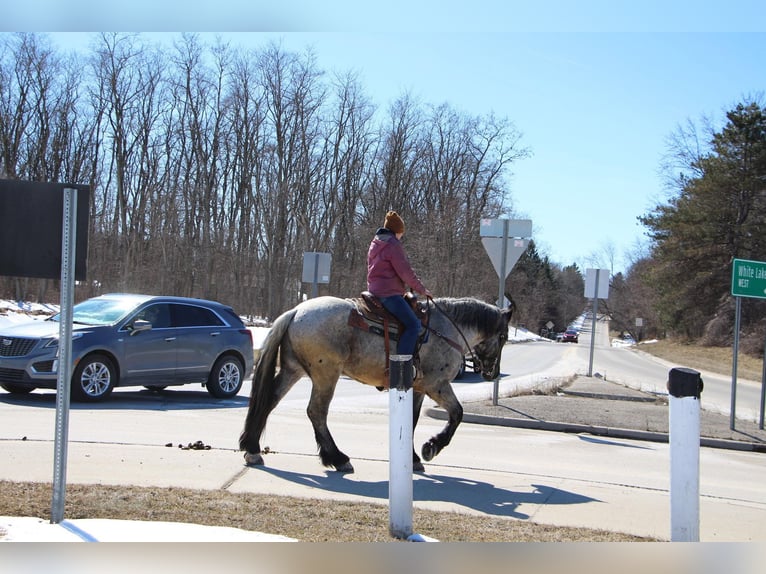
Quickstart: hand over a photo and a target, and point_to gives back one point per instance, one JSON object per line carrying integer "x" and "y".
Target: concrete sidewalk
{"x": 544, "y": 477}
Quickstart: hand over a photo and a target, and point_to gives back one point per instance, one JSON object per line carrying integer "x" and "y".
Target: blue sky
{"x": 595, "y": 87}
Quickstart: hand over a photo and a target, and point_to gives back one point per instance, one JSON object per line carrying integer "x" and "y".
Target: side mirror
{"x": 139, "y": 326}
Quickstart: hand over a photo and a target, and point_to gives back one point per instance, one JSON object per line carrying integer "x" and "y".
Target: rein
{"x": 474, "y": 358}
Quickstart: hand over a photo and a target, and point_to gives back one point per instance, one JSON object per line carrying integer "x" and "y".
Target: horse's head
{"x": 490, "y": 350}
{"x": 487, "y": 327}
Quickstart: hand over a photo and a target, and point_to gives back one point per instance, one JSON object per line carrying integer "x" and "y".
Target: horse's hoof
{"x": 345, "y": 468}
{"x": 428, "y": 451}
{"x": 253, "y": 459}
{"x": 418, "y": 467}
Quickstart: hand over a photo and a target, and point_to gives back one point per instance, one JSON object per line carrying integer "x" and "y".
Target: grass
{"x": 306, "y": 520}
{"x": 713, "y": 359}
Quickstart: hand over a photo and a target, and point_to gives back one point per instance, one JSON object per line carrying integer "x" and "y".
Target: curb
{"x": 613, "y": 432}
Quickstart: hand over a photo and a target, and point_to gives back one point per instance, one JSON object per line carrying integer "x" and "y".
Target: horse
{"x": 315, "y": 338}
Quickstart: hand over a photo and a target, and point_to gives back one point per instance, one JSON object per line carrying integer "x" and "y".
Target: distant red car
{"x": 570, "y": 336}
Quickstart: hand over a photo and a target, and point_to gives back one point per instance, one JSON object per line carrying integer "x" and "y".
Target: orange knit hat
{"x": 393, "y": 222}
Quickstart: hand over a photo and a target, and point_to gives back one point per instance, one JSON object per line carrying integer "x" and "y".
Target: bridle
{"x": 474, "y": 358}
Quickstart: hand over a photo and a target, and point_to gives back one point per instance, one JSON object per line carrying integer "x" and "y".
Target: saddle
{"x": 369, "y": 315}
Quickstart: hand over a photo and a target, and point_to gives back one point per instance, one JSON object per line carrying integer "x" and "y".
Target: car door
{"x": 150, "y": 355}
{"x": 199, "y": 331}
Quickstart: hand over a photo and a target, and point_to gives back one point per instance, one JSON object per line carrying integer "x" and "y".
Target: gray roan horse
{"x": 315, "y": 339}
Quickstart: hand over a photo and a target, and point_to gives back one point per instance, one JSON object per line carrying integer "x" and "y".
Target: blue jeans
{"x": 397, "y": 306}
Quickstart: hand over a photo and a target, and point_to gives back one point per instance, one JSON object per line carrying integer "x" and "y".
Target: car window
{"x": 231, "y": 317}
{"x": 158, "y": 314}
{"x": 194, "y": 316}
{"x": 99, "y": 311}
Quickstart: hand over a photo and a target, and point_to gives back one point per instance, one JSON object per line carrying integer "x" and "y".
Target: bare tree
{"x": 212, "y": 170}
{"x": 125, "y": 93}
{"x": 293, "y": 98}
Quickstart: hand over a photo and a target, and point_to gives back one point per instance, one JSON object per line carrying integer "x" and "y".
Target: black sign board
{"x": 31, "y": 225}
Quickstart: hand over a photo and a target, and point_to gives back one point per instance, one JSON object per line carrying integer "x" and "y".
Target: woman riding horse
{"x": 388, "y": 273}
{"x": 317, "y": 339}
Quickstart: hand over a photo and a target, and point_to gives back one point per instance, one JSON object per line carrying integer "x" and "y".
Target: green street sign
{"x": 748, "y": 278}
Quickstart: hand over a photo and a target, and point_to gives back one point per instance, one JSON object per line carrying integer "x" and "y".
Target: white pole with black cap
{"x": 400, "y": 446}
{"x": 684, "y": 389}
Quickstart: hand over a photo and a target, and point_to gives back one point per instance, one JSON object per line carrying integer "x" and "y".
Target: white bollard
{"x": 684, "y": 388}
{"x": 400, "y": 446}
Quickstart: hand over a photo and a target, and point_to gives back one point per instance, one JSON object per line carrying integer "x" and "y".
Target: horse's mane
{"x": 470, "y": 312}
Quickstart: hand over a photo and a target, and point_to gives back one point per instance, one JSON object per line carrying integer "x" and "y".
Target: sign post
{"x": 748, "y": 279}
{"x": 596, "y": 285}
{"x": 63, "y": 381}
{"x": 316, "y": 269}
{"x": 44, "y": 233}
{"x": 504, "y": 241}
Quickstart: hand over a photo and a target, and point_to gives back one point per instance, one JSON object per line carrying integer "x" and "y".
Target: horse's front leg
{"x": 417, "y": 403}
{"x": 446, "y": 399}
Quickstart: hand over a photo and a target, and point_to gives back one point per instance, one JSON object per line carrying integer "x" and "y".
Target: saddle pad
{"x": 372, "y": 324}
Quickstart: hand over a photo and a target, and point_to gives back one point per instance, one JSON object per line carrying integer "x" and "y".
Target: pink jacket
{"x": 388, "y": 269}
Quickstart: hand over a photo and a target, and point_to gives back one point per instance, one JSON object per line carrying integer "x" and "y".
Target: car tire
{"x": 93, "y": 379}
{"x": 17, "y": 389}
{"x": 226, "y": 378}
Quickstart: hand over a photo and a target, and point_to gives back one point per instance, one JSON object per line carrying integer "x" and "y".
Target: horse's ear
{"x": 511, "y": 304}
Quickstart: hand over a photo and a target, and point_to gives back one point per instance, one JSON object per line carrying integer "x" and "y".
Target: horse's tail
{"x": 263, "y": 395}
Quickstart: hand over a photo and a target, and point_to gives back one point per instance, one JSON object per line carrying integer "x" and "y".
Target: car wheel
{"x": 225, "y": 379}
{"x": 93, "y": 379}
{"x": 17, "y": 389}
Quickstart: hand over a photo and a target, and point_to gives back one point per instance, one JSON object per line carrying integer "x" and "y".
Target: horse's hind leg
{"x": 322, "y": 391}
{"x": 446, "y": 399}
{"x": 285, "y": 379}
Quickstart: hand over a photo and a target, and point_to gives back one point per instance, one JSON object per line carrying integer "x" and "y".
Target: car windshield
{"x": 100, "y": 311}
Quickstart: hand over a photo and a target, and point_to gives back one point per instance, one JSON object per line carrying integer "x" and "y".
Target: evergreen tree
{"x": 716, "y": 217}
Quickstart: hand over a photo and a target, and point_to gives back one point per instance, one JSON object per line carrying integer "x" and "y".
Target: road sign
{"x": 504, "y": 241}
{"x": 316, "y": 267}
{"x": 597, "y": 283}
{"x": 748, "y": 278}
{"x": 516, "y": 227}
{"x": 494, "y": 248}
{"x": 509, "y": 236}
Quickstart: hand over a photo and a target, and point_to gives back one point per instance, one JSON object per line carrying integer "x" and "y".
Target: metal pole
{"x": 593, "y": 325}
{"x": 503, "y": 270}
{"x": 684, "y": 388}
{"x": 501, "y": 298}
{"x": 400, "y": 446}
{"x": 314, "y": 287}
{"x": 733, "y": 416}
{"x": 763, "y": 386}
{"x": 68, "y": 235}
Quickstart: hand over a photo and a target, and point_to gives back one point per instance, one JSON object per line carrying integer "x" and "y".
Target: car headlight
{"x": 54, "y": 342}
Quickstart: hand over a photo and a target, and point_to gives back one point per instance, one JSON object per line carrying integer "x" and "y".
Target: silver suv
{"x": 127, "y": 340}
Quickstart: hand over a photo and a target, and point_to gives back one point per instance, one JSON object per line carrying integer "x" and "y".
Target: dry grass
{"x": 713, "y": 359}
{"x": 304, "y": 519}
